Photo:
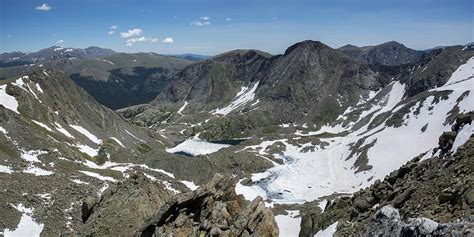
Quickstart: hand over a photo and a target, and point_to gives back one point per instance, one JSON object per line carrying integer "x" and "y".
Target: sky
{"x": 211, "y": 27}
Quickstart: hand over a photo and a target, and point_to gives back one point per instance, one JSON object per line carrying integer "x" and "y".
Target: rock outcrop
{"x": 387, "y": 222}
{"x": 212, "y": 210}
{"x": 141, "y": 207}
{"x": 123, "y": 209}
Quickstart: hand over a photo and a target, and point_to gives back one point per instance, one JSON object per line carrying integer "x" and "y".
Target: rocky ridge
{"x": 138, "y": 207}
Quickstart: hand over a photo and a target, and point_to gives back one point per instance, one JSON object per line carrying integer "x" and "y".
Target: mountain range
{"x": 317, "y": 140}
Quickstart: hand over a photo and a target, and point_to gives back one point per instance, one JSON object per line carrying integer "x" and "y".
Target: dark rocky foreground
{"x": 140, "y": 207}
{"x": 424, "y": 197}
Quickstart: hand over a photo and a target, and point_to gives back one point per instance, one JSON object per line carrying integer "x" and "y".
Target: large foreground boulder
{"x": 212, "y": 210}
{"x": 121, "y": 210}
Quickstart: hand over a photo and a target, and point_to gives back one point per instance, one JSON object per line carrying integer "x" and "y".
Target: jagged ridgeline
{"x": 312, "y": 142}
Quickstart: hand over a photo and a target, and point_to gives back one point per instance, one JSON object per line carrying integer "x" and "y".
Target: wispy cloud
{"x": 228, "y": 19}
{"x": 59, "y": 41}
{"x": 168, "y": 40}
{"x": 203, "y": 21}
{"x": 112, "y": 30}
{"x": 137, "y": 32}
{"x": 43, "y": 7}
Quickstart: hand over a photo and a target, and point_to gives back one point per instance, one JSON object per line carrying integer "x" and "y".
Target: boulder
{"x": 124, "y": 209}
{"x": 212, "y": 210}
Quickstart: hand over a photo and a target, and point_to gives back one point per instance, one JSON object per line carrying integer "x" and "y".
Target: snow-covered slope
{"x": 397, "y": 130}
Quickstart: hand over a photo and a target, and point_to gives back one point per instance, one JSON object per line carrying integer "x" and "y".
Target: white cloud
{"x": 132, "y": 33}
{"x": 228, "y": 19}
{"x": 196, "y": 23}
{"x": 135, "y": 35}
{"x": 168, "y": 40}
{"x": 112, "y": 30}
{"x": 131, "y": 41}
{"x": 44, "y": 7}
{"x": 203, "y": 21}
{"x": 59, "y": 41}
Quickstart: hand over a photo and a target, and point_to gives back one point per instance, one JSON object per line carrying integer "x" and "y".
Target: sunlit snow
{"x": 195, "y": 146}
{"x": 86, "y": 133}
{"x": 27, "y": 226}
{"x": 245, "y": 95}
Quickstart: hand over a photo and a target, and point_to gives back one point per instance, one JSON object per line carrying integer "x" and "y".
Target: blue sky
{"x": 211, "y": 27}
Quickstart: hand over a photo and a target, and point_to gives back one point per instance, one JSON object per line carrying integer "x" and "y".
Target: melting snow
{"x": 5, "y": 169}
{"x": 328, "y": 232}
{"x": 463, "y": 135}
{"x": 182, "y": 108}
{"x": 107, "y": 61}
{"x": 63, "y": 131}
{"x": 129, "y": 133}
{"x": 27, "y": 226}
{"x": 78, "y": 181}
{"x": 7, "y": 100}
{"x": 42, "y": 125}
{"x": 190, "y": 185}
{"x": 98, "y": 176}
{"x": 86, "y": 133}
{"x": 311, "y": 175}
{"x": 322, "y": 204}
{"x": 169, "y": 187}
{"x": 38, "y": 87}
{"x": 2, "y": 130}
{"x": 37, "y": 171}
{"x": 32, "y": 156}
{"x": 118, "y": 141}
{"x": 245, "y": 95}
{"x": 289, "y": 225}
{"x": 88, "y": 150}
{"x": 195, "y": 146}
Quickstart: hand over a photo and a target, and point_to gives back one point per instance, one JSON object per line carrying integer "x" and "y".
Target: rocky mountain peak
{"x": 305, "y": 46}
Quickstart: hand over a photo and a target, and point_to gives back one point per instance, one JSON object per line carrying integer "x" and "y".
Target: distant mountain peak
{"x": 307, "y": 45}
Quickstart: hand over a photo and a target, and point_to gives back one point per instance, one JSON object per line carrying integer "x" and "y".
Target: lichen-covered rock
{"x": 387, "y": 222}
{"x": 123, "y": 209}
{"x": 212, "y": 210}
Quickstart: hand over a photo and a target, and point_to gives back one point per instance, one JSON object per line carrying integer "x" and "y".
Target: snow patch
{"x": 245, "y": 95}
{"x": 37, "y": 171}
{"x": 118, "y": 141}
{"x": 5, "y": 169}
{"x": 289, "y": 225}
{"x": 182, "y": 108}
{"x": 7, "y": 100}
{"x": 129, "y": 133}
{"x": 86, "y": 133}
{"x": 63, "y": 131}
{"x": 328, "y": 232}
{"x": 189, "y": 184}
{"x": 98, "y": 176}
{"x": 42, "y": 125}
{"x": 195, "y": 146}
{"x": 463, "y": 135}
{"x": 27, "y": 226}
